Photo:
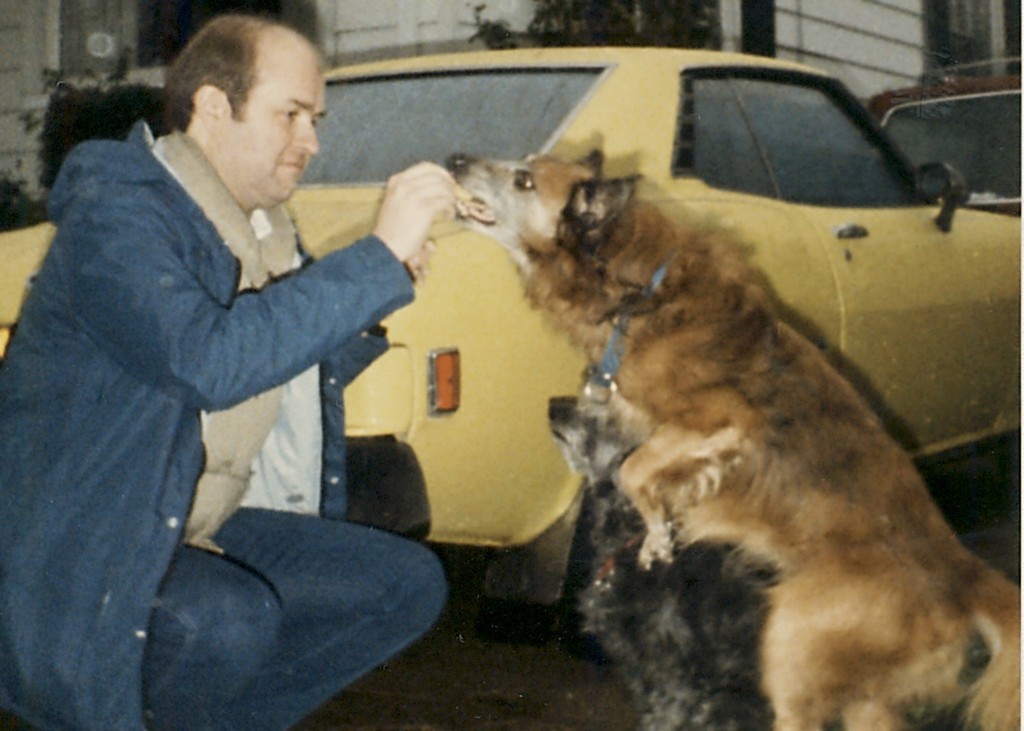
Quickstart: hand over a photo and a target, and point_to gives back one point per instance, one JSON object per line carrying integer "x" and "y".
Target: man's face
{"x": 262, "y": 153}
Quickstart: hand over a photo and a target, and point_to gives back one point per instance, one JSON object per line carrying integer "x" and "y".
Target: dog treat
{"x": 468, "y": 206}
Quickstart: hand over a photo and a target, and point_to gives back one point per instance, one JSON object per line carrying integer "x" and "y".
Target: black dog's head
{"x": 589, "y": 436}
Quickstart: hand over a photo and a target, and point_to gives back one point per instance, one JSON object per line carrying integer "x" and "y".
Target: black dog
{"x": 683, "y": 635}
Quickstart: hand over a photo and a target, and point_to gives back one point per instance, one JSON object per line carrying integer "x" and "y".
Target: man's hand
{"x": 412, "y": 200}
{"x": 418, "y": 264}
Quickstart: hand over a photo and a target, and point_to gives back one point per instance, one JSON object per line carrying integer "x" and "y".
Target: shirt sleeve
{"x": 139, "y": 289}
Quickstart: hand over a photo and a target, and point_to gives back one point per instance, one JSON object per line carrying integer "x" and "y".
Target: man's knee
{"x": 216, "y": 614}
{"x": 241, "y": 621}
{"x": 425, "y": 588}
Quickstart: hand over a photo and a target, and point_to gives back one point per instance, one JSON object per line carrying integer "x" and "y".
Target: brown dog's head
{"x": 541, "y": 203}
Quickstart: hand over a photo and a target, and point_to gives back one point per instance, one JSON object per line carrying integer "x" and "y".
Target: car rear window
{"x": 379, "y": 125}
{"x": 979, "y": 135}
{"x": 788, "y": 137}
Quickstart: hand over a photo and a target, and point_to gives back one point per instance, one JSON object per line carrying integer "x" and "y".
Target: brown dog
{"x": 747, "y": 435}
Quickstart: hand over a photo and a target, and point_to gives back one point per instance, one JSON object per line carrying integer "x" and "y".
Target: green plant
{"x": 674, "y": 23}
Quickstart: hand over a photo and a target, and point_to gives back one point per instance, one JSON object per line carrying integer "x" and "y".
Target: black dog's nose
{"x": 458, "y": 162}
{"x": 561, "y": 410}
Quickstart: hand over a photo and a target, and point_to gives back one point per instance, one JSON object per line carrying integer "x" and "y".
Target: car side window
{"x": 376, "y": 126}
{"x": 772, "y": 136}
{"x": 979, "y": 134}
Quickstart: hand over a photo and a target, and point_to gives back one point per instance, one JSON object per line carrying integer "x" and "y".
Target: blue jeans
{"x": 296, "y": 609}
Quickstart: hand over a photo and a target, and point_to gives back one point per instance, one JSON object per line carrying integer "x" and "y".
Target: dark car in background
{"x": 966, "y": 116}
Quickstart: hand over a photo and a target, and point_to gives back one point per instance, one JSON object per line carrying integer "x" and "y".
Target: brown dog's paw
{"x": 657, "y": 546}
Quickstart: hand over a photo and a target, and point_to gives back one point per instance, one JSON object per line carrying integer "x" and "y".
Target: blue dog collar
{"x": 601, "y": 382}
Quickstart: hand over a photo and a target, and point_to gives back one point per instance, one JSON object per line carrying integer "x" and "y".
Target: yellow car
{"x": 915, "y": 300}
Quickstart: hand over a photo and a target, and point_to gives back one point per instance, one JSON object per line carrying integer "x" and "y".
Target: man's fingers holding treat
{"x": 412, "y": 200}
{"x": 470, "y": 207}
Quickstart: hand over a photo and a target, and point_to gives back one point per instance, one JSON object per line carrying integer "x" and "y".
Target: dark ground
{"x": 457, "y": 680}
{"x": 460, "y": 678}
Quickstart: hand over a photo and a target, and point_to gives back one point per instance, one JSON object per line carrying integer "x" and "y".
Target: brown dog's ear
{"x": 593, "y": 205}
{"x": 594, "y": 160}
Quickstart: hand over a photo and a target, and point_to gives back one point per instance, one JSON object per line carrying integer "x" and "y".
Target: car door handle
{"x": 850, "y": 231}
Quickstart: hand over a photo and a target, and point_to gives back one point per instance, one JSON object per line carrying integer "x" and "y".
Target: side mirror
{"x": 939, "y": 181}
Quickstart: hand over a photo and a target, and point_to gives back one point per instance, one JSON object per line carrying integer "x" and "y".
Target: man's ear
{"x": 210, "y": 103}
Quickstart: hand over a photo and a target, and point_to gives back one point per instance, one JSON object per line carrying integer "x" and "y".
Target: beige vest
{"x": 232, "y": 438}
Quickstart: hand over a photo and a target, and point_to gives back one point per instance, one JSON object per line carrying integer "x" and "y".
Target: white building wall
{"x": 730, "y": 14}
{"x": 872, "y": 45}
{"x": 356, "y": 29}
{"x": 27, "y": 50}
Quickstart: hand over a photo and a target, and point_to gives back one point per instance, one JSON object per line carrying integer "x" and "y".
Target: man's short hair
{"x": 222, "y": 54}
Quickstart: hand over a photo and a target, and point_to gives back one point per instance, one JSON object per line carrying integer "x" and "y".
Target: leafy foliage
{"x": 75, "y": 114}
{"x": 496, "y": 35}
{"x": 17, "y": 208}
{"x": 674, "y": 23}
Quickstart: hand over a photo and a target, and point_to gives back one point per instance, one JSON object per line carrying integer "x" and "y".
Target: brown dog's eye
{"x": 523, "y": 180}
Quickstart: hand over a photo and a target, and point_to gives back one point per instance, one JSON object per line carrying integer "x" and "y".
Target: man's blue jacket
{"x": 131, "y": 328}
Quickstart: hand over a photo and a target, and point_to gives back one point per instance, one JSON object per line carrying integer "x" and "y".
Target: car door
{"x": 493, "y": 474}
{"x": 926, "y": 321}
